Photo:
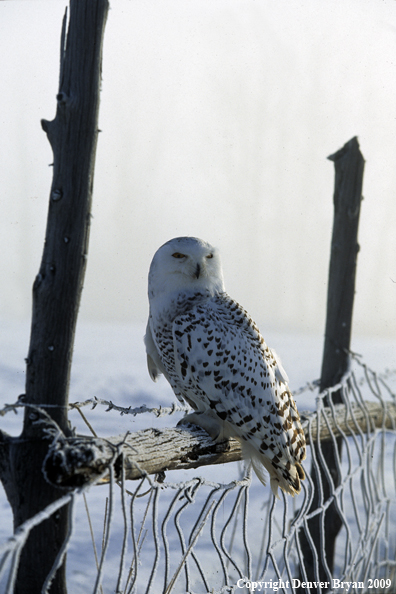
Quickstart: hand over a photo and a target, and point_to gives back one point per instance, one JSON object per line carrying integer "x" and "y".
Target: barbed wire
{"x": 174, "y": 407}
{"x": 201, "y": 533}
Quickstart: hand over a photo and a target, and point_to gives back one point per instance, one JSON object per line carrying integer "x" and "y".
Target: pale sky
{"x": 217, "y": 117}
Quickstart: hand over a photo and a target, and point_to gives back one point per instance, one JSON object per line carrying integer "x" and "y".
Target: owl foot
{"x": 209, "y": 424}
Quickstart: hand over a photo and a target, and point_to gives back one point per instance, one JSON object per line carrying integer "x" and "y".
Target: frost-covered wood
{"x": 76, "y": 461}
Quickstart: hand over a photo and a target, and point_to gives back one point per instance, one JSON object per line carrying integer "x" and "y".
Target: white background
{"x": 216, "y": 118}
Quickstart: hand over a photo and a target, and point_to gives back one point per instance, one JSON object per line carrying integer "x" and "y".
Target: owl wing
{"x": 227, "y": 371}
{"x": 154, "y": 364}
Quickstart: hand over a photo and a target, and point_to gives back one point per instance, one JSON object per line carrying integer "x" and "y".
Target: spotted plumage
{"x": 214, "y": 357}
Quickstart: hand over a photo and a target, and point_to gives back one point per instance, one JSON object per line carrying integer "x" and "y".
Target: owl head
{"x": 185, "y": 264}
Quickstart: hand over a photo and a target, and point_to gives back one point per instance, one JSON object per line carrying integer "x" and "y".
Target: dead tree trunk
{"x": 79, "y": 460}
{"x": 349, "y": 166}
{"x": 56, "y": 292}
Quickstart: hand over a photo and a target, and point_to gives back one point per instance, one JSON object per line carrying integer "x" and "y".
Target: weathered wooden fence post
{"x": 349, "y": 166}
{"x": 56, "y": 292}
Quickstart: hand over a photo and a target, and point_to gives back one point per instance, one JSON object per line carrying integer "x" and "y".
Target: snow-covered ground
{"x": 109, "y": 362}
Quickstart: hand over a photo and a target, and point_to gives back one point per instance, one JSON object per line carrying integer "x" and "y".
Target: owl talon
{"x": 210, "y": 425}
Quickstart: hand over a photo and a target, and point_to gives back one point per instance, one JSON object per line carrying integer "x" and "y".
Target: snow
{"x": 109, "y": 362}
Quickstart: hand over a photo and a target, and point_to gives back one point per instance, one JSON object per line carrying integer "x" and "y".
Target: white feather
{"x": 214, "y": 357}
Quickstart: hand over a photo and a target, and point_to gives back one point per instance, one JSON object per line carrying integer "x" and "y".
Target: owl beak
{"x": 197, "y": 271}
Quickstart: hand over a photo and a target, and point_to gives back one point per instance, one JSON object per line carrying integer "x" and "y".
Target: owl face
{"x": 185, "y": 264}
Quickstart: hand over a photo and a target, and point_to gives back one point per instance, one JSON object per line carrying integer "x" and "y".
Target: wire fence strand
{"x": 202, "y": 535}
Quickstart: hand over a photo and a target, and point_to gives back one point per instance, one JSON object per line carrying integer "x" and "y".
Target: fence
{"x": 160, "y": 534}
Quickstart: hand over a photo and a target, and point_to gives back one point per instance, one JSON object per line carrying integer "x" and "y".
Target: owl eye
{"x": 210, "y": 256}
{"x": 178, "y": 255}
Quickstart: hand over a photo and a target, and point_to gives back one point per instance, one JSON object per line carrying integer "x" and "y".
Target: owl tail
{"x": 285, "y": 475}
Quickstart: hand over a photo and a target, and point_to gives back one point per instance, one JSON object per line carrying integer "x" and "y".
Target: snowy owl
{"x": 214, "y": 357}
